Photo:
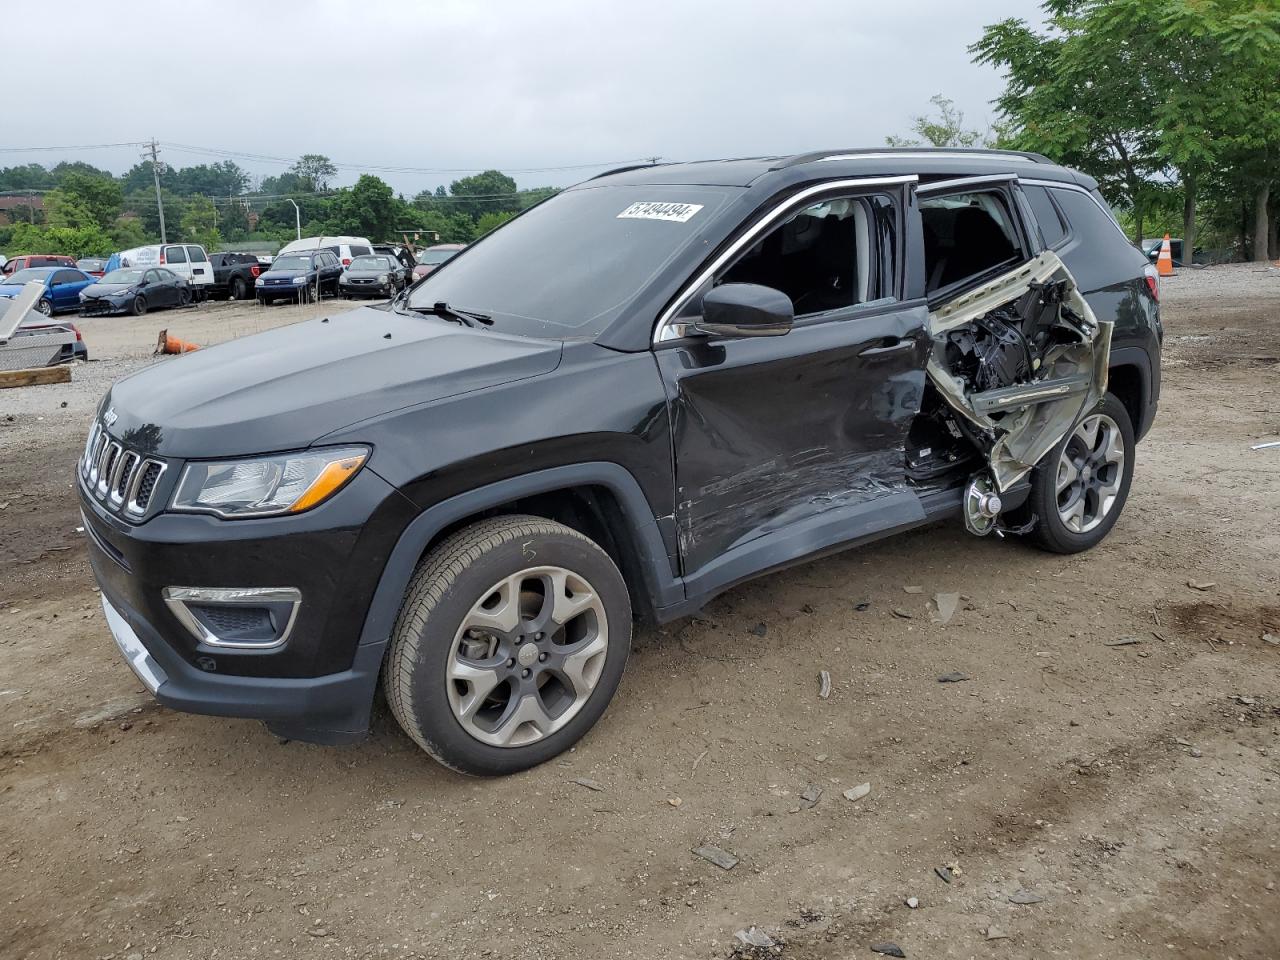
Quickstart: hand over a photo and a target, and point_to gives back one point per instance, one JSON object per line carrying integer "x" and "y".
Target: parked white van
{"x": 187, "y": 260}
{"x": 345, "y": 247}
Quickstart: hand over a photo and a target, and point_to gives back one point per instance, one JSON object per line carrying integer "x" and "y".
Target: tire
{"x": 534, "y": 712}
{"x": 1058, "y": 529}
{"x": 184, "y": 297}
{"x": 238, "y": 288}
{"x": 45, "y": 306}
{"x": 139, "y": 305}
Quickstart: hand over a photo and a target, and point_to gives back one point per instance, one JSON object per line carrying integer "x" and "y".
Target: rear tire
{"x": 509, "y": 645}
{"x": 238, "y": 288}
{"x": 184, "y": 297}
{"x": 1079, "y": 489}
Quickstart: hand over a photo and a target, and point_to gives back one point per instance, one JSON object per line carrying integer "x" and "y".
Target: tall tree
{"x": 316, "y": 170}
{"x": 947, "y": 129}
{"x": 489, "y": 192}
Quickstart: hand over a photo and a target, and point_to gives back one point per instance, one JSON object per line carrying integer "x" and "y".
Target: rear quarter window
{"x": 1052, "y": 229}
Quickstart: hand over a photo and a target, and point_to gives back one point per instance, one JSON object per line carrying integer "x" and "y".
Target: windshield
{"x": 436, "y": 257}
{"x": 570, "y": 266}
{"x": 371, "y": 263}
{"x": 291, "y": 263}
{"x": 26, "y": 276}
{"x": 122, "y": 276}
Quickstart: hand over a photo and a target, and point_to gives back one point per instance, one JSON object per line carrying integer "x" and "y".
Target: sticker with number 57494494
{"x": 652, "y": 210}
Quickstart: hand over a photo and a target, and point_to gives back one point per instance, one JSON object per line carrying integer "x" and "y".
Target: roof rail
{"x": 630, "y": 166}
{"x": 800, "y": 158}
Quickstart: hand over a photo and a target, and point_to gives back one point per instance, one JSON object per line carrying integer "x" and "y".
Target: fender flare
{"x": 652, "y": 558}
{"x": 1138, "y": 358}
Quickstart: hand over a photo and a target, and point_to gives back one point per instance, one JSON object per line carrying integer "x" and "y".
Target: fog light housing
{"x": 239, "y": 618}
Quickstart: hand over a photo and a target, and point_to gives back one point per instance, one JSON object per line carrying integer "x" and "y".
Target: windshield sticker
{"x": 649, "y": 210}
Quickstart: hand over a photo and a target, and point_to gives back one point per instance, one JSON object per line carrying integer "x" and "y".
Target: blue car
{"x": 62, "y": 286}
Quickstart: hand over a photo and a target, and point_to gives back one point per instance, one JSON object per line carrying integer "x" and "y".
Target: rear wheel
{"x": 509, "y": 645}
{"x": 238, "y": 288}
{"x": 1080, "y": 488}
{"x": 184, "y": 297}
{"x": 139, "y": 305}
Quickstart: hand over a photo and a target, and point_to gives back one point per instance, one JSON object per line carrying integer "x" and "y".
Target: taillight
{"x": 77, "y": 330}
{"x": 346, "y": 261}
{"x": 1153, "y": 283}
{"x": 255, "y": 270}
{"x": 161, "y": 257}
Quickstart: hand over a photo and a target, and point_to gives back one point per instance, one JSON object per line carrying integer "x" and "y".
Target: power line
{"x": 391, "y": 168}
{"x": 81, "y": 146}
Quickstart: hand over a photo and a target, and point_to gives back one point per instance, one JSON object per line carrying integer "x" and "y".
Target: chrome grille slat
{"x": 121, "y": 479}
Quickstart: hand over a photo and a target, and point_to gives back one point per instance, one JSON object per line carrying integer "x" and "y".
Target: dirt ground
{"x": 1134, "y": 788}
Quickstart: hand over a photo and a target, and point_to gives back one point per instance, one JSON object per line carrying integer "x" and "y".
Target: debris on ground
{"x": 912, "y": 902}
{"x": 945, "y": 606}
{"x": 590, "y": 784}
{"x": 954, "y": 677}
{"x": 903, "y": 614}
{"x": 721, "y": 858}
{"x": 675, "y": 802}
{"x": 862, "y": 606}
{"x": 168, "y": 344}
{"x": 1121, "y": 642}
{"x": 913, "y": 589}
{"x": 995, "y": 933}
{"x": 1271, "y": 639}
{"x": 1201, "y": 585}
{"x": 857, "y": 793}
{"x": 760, "y": 629}
{"x": 1025, "y": 897}
{"x": 944, "y": 873}
{"x": 888, "y": 949}
{"x": 824, "y": 684}
{"x": 751, "y": 937}
{"x": 811, "y": 795}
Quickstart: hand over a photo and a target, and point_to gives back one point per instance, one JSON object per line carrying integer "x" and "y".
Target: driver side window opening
{"x": 967, "y": 235}
{"x": 829, "y": 255}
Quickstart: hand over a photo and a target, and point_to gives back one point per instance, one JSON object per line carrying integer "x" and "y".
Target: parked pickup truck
{"x": 234, "y": 274}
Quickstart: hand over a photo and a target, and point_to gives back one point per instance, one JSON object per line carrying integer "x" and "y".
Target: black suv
{"x": 653, "y": 386}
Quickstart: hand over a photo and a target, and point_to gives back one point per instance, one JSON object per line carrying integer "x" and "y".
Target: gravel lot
{"x": 1134, "y": 788}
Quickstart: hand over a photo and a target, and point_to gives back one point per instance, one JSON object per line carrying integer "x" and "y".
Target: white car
{"x": 346, "y": 248}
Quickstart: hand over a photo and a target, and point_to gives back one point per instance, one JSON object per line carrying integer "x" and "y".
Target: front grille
{"x": 121, "y": 479}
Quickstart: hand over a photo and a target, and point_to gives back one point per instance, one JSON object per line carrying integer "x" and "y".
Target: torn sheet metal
{"x": 1022, "y": 421}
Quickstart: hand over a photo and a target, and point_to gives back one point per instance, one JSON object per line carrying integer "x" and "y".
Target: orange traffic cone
{"x": 168, "y": 344}
{"x": 1164, "y": 262}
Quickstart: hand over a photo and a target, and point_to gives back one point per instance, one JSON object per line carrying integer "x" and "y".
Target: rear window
{"x": 175, "y": 255}
{"x": 196, "y": 254}
{"x": 1051, "y": 226}
{"x": 359, "y": 250}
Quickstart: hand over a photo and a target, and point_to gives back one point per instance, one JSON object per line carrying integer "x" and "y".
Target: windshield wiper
{"x": 468, "y": 318}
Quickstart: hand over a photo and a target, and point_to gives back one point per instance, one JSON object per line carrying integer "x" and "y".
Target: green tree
{"x": 315, "y": 169}
{"x": 223, "y": 179}
{"x": 491, "y": 221}
{"x": 947, "y": 129}
{"x": 489, "y": 192}
{"x": 101, "y": 196}
{"x": 63, "y": 209}
{"x": 367, "y": 209}
{"x": 128, "y": 232}
{"x": 199, "y": 222}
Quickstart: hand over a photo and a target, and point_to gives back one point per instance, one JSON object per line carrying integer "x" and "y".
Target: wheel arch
{"x": 1129, "y": 378}
{"x": 601, "y": 500}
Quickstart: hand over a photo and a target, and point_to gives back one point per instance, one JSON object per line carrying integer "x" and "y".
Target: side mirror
{"x": 746, "y": 310}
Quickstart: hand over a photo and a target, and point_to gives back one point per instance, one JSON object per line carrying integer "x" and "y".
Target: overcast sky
{"x": 512, "y": 84}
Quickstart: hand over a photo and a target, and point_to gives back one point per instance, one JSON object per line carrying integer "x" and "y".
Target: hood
{"x": 284, "y": 274}
{"x": 286, "y": 388}
{"x": 95, "y": 290}
{"x": 11, "y": 289}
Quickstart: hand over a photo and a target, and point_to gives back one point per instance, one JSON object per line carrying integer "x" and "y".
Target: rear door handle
{"x": 887, "y": 345}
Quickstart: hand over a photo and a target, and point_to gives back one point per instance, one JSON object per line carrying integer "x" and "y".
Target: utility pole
{"x": 297, "y": 215}
{"x": 154, "y": 151}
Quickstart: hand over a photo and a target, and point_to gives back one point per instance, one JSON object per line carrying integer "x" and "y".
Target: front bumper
{"x": 317, "y": 686}
{"x": 380, "y": 290}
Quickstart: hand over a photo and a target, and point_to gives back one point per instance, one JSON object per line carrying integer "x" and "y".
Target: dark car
{"x": 375, "y": 275}
{"x": 135, "y": 290}
{"x": 234, "y": 274}
{"x": 404, "y": 259}
{"x": 299, "y": 277}
{"x": 62, "y": 287}
{"x": 433, "y": 257}
{"x": 94, "y": 266}
{"x": 624, "y": 401}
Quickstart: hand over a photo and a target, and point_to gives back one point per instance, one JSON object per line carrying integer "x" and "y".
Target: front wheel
{"x": 139, "y": 305}
{"x": 1080, "y": 488}
{"x": 45, "y": 306}
{"x": 509, "y": 645}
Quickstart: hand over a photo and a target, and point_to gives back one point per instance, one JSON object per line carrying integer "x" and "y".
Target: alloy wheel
{"x": 1090, "y": 473}
{"x": 527, "y": 656}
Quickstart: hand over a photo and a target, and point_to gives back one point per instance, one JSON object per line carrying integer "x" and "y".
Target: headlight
{"x": 382, "y": 278}
{"x": 258, "y": 282}
{"x": 267, "y": 486}
{"x": 299, "y": 280}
